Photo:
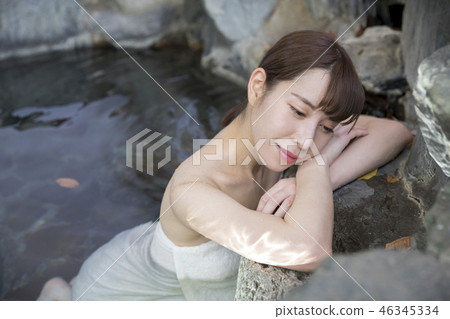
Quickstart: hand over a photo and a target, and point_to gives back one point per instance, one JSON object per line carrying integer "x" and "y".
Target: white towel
{"x": 154, "y": 268}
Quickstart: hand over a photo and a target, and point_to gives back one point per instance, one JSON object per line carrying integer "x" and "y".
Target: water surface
{"x": 68, "y": 115}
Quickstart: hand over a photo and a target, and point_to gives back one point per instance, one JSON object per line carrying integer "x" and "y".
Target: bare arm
{"x": 299, "y": 241}
{"x": 385, "y": 140}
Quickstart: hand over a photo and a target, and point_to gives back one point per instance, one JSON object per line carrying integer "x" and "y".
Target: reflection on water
{"x": 68, "y": 115}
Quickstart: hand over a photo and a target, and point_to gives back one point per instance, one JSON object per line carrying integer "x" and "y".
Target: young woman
{"x": 303, "y": 108}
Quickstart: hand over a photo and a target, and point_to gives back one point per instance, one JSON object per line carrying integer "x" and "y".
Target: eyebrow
{"x": 304, "y": 100}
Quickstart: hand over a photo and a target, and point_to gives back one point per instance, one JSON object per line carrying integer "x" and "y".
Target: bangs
{"x": 344, "y": 99}
{"x": 296, "y": 53}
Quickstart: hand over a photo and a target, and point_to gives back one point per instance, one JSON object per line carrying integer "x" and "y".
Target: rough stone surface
{"x": 377, "y": 56}
{"x": 370, "y": 214}
{"x": 423, "y": 176}
{"x": 433, "y": 107}
{"x": 49, "y": 25}
{"x": 233, "y": 54}
{"x": 377, "y": 275}
{"x": 425, "y": 29}
{"x": 264, "y": 282}
{"x": 239, "y": 19}
{"x": 438, "y": 226}
{"x": 330, "y": 9}
{"x": 35, "y": 26}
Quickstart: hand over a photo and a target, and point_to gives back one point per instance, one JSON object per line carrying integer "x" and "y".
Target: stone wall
{"x": 425, "y": 29}
{"x": 36, "y": 26}
{"x": 233, "y": 53}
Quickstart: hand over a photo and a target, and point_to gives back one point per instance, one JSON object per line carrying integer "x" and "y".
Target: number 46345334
{"x": 409, "y": 310}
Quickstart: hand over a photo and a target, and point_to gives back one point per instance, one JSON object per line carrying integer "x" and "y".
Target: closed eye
{"x": 297, "y": 112}
{"x": 327, "y": 129}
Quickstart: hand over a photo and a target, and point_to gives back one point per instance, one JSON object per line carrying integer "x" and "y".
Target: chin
{"x": 274, "y": 162}
{"x": 275, "y": 166}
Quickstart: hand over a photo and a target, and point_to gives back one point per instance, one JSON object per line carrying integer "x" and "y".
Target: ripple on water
{"x": 68, "y": 115}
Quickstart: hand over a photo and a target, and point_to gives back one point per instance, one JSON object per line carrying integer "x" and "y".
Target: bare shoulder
{"x": 178, "y": 194}
{"x": 187, "y": 174}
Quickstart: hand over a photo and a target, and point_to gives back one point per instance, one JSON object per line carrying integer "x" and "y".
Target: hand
{"x": 282, "y": 193}
{"x": 339, "y": 141}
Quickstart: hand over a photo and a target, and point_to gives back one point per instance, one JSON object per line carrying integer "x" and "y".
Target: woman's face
{"x": 288, "y": 117}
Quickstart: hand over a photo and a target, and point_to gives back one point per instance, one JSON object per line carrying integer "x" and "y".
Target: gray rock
{"x": 135, "y": 24}
{"x": 407, "y": 101}
{"x": 438, "y": 226}
{"x": 30, "y": 27}
{"x": 377, "y": 275}
{"x": 233, "y": 50}
{"x": 377, "y": 56}
{"x": 331, "y": 9}
{"x": 423, "y": 177}
{"x": 425, "y": 29}
{"x": 237, "y": 19}
{"x": 432, "y": 106}
{"x": 370, "y": 214}
{"x": 263, "y": 282}
{"x": 35, "y": 26}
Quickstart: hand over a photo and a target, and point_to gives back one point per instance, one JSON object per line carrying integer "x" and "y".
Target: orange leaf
{"x": 392, "y": 179}
{"x": 67, "y": 182}
{"x": 401, "y": 243}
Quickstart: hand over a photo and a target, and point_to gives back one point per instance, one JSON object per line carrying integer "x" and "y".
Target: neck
{"x": 236, "y": 153}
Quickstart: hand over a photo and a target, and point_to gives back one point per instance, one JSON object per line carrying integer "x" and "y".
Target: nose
{"x": 306, "y": 132}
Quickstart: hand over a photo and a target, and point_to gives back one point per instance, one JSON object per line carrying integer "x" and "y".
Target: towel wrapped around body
{"x": 143, "y": 264}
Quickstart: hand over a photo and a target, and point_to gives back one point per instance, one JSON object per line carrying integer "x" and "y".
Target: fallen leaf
{"x": 410, "y": 144}
{"x": 392, "y": 179}
{"x": 401, "y": 243}
{"x": 360, "y": 31}
{"x": 369, "y": 175}
{"x": 67, "y": 182}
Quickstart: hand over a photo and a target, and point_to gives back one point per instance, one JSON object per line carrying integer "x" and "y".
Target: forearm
{"x": 312, "y": 210}
{"x": 386, "y": 139}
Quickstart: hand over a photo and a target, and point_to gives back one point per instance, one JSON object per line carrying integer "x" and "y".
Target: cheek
{"x": 321, "y": 140}
{"x": 272, "y": 124}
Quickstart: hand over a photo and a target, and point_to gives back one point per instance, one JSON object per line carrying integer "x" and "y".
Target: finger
{"x": 271, "y": 206}
{"x": 285, "y": 184}
{"x": 284, "y": 207}
{"x": 275, "y": 201}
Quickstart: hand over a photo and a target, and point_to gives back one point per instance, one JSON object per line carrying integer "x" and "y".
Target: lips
{"x": 288, "y": 156}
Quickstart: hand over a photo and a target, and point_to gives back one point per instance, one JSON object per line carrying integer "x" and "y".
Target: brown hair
{"x": 299, "y": 51}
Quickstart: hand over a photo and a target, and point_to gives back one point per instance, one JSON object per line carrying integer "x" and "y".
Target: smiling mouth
{"x": 289, "y": 156}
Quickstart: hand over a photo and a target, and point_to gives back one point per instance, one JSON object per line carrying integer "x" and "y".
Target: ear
{"x": 256, "y": 86}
